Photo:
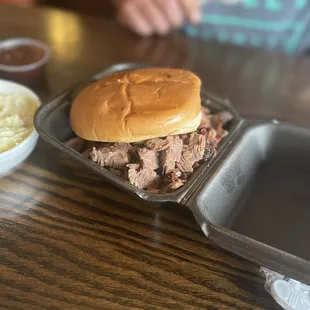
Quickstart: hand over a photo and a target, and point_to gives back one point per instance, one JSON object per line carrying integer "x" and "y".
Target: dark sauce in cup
{"x": 21, "y": 55}
{"x": 23, "y": 60}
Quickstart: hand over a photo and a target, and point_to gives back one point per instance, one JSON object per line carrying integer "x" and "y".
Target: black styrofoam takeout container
{"x": 252, "y": 199}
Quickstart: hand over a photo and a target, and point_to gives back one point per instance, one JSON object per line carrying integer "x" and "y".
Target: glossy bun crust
{"x": 136, "y": 105}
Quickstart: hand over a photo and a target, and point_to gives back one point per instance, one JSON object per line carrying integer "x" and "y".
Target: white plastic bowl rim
{"x": 34, "y": 134}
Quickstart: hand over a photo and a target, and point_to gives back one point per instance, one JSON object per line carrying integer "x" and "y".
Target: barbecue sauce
{"x": 14, "y": 62}
{"x": 20, "y": 55}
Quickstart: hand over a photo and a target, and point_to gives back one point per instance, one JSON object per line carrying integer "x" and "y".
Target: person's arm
{"x": 148, "y": 17}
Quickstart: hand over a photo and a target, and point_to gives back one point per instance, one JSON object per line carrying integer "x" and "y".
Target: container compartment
{"x": 257, "y": 202}
{"x": 252, "y": 198}
{"x": 52, "y": 123}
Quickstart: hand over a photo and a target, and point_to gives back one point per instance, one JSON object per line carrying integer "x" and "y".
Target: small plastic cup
{"x": 25, "y": 71}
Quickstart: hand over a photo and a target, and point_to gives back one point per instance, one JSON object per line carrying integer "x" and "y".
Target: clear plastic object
{"x": 288, "y": 293}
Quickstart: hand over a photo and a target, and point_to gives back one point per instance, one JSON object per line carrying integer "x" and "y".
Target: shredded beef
{"x": 172, "y": 154}
{"x": 157, "y": 144}
{"x": 220, "y": 120}
{"x": 116, "y": 156}
{"x": 183, "y": 137}
{"x": 192, "y": 153}
{"x": 210, "y": 152}
{"x": 88, "y": 148}
{"x": 159, "y": 165}
{"x": 142, "y": 177}
{"x": 174, "y": 180}
{"x": 149, "y": 158}
{"x": 225, "y": 117}
{"x": 205, "y": 111}
{"x": 205, "y": 118}
{"x": 211, "y": 135}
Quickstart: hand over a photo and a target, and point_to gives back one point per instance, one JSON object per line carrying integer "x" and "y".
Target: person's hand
{"x": 148, "y": 17}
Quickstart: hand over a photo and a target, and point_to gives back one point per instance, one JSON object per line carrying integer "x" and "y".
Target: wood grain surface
{"x": 71, "y": 241}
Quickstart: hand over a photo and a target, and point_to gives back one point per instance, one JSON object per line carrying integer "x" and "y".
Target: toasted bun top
{"x": 137, "y": 105}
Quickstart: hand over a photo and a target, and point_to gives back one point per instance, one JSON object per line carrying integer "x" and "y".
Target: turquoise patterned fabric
{"x": 273, "y": 24}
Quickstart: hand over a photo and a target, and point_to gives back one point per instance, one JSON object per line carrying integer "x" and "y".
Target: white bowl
{"x": 13, "y": 157}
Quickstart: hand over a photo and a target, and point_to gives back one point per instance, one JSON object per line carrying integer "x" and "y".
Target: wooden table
{"x": 71, "y": 241}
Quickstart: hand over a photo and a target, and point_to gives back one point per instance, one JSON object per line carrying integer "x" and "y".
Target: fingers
{"x": 173, "y": 12}
{"x": 131, "y": 17}
{"x": 156, "y": 17}
{"x": 192, "y": 10}
{"x": 147, "y": 17}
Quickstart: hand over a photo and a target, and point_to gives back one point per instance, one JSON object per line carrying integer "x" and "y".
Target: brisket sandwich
{"x": 147, "y": 126}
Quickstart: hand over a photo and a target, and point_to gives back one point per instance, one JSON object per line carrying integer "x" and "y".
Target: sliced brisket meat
{"x": 217, "y": 123}
{"x": 89, "y": 146}
{"x": 192, "y": 153}
{"x": 205, "y": 111}
{"x": 211, "y": 135}
{"x": 149, "y": 158}
{"x": 205, "y": 118}
{"x": 212, "y": 140}
{"x": 210, "y": 152}
{"x": 157, "y": 144}
{"x": 173, "y": 157}
{"x": 116, "y": 156}
{"x": 184, "y": 137}
{"x": 197, "y": 143}
{"x": 172, "y": 154}
{"x": 220, "y": 120}
{"x": 174, "y": 181}
{"x": 142, "y": 178}
{"x": 225, "y": 117}
{"x": 174, "y": 185}
{"x": 187, "y": 161}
